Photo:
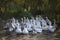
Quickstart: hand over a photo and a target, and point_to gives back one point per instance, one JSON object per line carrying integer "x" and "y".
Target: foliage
{"x": 21, "y": 8}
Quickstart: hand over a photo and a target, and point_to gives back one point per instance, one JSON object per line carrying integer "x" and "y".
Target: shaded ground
{"x": 57, "y": 33}
{"x": 41, "y": 36}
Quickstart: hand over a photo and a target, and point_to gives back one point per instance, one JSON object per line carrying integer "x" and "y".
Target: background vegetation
{"x": 21, "y": 8}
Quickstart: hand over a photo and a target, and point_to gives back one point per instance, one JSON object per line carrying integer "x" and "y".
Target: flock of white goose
{"x": 26, "y": 25}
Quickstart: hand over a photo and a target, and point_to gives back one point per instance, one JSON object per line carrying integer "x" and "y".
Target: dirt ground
{"x": 28, "y": 37}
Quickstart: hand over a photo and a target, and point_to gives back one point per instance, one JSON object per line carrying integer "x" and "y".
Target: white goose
{"x": 12, "y": 24}
{"x": 48, "y": 21}
{"x": 50, "y": 27}
{"x": 18, "y": 27}
{"x": 10, "y": 27}
{"x": 29, "y": 26}
{"x": 25, "y": 31}
{"x": 44, "y": 25}
{"x": 37, "y": 26}
{"x": 53, "y": 28}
